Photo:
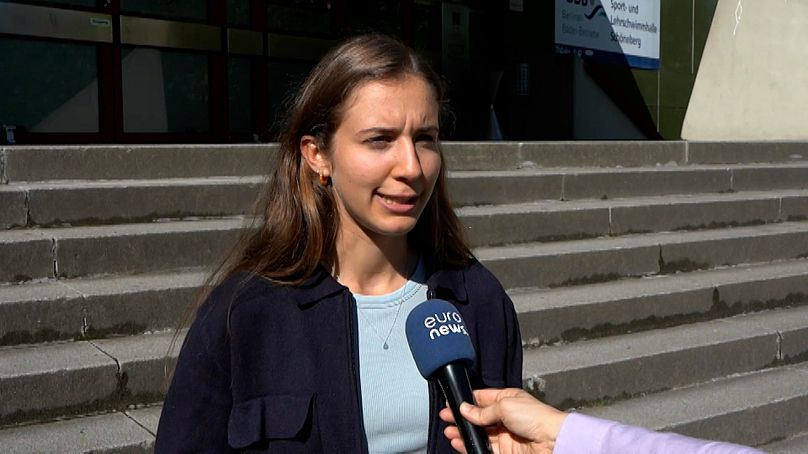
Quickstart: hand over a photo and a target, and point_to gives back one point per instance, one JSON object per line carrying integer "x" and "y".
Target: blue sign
{"x": 615, "y": 31}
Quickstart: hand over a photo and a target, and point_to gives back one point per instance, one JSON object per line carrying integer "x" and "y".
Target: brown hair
{"x": 295, "y": 222}
{"x": 296, "y": 219}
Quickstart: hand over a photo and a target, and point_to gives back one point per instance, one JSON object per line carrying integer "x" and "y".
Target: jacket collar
{"x": 447, "y": 283}
{"x": 317, "y": 287}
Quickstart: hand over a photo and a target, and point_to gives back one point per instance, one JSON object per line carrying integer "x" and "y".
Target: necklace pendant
{"x": 386, "y": 347}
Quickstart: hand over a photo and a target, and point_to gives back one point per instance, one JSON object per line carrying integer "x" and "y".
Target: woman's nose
{"x": 408, "y": 163}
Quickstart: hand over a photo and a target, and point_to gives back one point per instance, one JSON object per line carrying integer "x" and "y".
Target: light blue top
{"x": 395, "y": 397}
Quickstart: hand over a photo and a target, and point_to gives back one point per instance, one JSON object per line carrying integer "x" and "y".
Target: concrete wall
{"x": 683, "y": 34}
{"x": 753, "y": 80}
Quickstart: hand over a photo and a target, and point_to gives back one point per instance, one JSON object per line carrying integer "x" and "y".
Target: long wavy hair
{"x": 294, "y": 223}
{"x": 295, "y": 218}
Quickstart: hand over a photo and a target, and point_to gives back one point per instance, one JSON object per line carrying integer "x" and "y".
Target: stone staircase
{"x": 664, "y": 284}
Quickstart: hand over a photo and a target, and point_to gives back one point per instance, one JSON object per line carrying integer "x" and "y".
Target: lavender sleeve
{"x": 581, "y": 434}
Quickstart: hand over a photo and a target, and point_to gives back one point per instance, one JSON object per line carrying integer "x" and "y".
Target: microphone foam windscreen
{"x": 437, "y": 336}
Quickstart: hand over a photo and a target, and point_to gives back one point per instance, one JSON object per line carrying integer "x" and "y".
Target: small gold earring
{"x": 323, "y": 179}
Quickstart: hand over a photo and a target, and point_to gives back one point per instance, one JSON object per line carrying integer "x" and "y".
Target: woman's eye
{"x": 426, "y": 140}
{"x": 378, "y": 142}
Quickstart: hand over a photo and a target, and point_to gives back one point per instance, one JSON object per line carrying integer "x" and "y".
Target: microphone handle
{"x": 454, "y": 381}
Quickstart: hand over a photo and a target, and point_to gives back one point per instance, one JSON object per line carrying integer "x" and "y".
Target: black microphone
{"x": 442, "y": 350}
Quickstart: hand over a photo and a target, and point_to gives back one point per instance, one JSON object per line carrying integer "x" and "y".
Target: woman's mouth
{"x": 398, "y": 204}
{"x": 399, "y": 200}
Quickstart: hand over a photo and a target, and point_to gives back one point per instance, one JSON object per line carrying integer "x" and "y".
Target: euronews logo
{"x": 444, "y": 324}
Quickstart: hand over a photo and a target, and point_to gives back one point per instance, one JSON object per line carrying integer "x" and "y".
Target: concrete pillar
{"x": 753, "y": 80}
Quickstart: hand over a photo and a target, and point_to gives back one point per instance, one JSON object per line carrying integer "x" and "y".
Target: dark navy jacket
{"x": 269, "y": 368}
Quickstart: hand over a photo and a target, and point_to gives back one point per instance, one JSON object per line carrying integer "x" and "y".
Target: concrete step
{"x": 513, "y": 155}
{"x": 105, "y": 202}
{"x": 745, "y": 152}
{"x": 528, "y": 185}
{"x": 74, "y": 309}
{"x": 116, "y": 305}
{"x": 125, "y": 305}
{"x": 27, "y": 254}
{"x": 126, "y": 248}
{"x": 84, "y": 376}
{"x": 14, "y": 210}
{"x": 143, "y": 248}
{"x": 602, "y": 259}
{"x": 129, "y": 431}
{"x": 630, "y": 305}
{"x": 797, "y": 444}
{"x": 39, "y": 163}
{"x": 109, "y": 162}
{"x": 713, "y": 410}
{"x": 85, "y": 288}
{"x": 559, "y": 220}
{"x": 85, "y": 202}
{"x": 752, "y": 409}
{"x": 113, "y": 373}
{"x": 629, "y": 365}
{"x": 123, "y": 371}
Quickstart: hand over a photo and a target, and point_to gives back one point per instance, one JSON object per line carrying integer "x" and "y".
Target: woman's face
{"x": 384, "y": 158}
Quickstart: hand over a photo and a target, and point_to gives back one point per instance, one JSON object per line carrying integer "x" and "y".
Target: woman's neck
{"x": 372, "y": 267}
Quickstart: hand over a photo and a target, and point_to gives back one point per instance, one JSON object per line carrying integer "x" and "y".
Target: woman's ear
{"x": 315, "y": 156}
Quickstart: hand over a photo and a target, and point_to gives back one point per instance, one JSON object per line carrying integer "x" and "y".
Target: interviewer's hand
{"x": 516, "y": 422}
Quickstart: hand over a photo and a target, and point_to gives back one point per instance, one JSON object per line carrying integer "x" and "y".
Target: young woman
{"x": 301, "y": 346}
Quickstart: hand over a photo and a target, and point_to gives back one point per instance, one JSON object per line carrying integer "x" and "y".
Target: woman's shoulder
{"x": 471, "y": 281}
{"x": 233, "y": 291}
{"x": 477, "y": 269}
{"x": 479, "y": 279}
{"x": 242, "y": 286}
{"x": 471, "y": 267}
{"x": 250, "y": 294}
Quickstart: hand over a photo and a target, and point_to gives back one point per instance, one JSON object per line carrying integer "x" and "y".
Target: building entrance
{"x": 163, "y": 70}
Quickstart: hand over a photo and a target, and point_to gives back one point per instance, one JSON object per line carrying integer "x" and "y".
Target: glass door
{"x": 141, "y": 71}
{"x": 52, "y": 78}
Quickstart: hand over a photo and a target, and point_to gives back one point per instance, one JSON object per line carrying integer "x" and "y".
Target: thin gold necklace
{"x": 400, "y": 301}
